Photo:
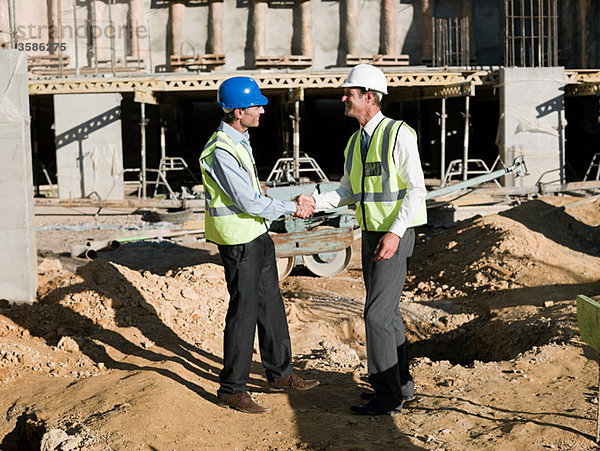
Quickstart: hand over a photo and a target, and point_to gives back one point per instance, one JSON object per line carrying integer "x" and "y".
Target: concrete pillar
{"x": 259, "y": 13}
{"x": 18, "y": 261}
{"x": 4, "y": 26}
{"x": 135, "y": 19}
{"x": 89, "y": 158}
{"x": 532, "y": 121}
{"x": 177, "y": 12}
{"x": 215, "y": 27}
{"x": 52, "y": 6}
{"x": 350, "y": 26}
{"x": 100, "y": 30}
{"x": 427, "y": 15}
{"x": 303, "y": 23}
{"x": 388, "y": 27}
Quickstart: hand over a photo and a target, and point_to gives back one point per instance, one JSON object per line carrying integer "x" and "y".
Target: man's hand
{"x": 387, "y": 246}
{"x": 305, "y": 206}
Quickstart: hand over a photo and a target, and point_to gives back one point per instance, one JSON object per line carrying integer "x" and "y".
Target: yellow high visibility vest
{"x": 377, "y": 187}
{"x": 226, "y": 223}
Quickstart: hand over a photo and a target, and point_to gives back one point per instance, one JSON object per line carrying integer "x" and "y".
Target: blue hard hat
{"x": 240, "y": 92}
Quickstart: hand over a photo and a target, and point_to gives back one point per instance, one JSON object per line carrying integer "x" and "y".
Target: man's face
{"x": 250, "y": 116}
{"x": 354, "y": 101}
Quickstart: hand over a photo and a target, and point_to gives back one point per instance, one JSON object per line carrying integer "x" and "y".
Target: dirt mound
{"x": 489, "y": 312}
{"x": 535, "y": 244}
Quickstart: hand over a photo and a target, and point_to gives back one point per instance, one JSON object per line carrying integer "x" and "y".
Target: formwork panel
{"x": 18, "y": 261}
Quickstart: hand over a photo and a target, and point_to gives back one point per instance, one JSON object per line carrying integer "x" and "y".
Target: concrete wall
{"x": 532, "y": 121}
{"x": 156, "y": 26}
{"x": 89, "y": 155}
{"x": 18, "y": 262}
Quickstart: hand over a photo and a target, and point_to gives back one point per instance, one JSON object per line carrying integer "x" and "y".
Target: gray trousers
{"x": 387, "y": 358}
{"x": 254, "y": 303}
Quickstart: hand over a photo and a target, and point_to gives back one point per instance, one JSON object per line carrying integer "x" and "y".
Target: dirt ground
{"x": 123, "y": 352}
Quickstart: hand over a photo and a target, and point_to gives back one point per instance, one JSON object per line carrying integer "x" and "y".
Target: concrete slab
{"x": 532, "y": 121}
{"x": 89, "y": 155}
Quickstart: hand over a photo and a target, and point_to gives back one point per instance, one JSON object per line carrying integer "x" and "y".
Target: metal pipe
{"x": 518, "y": 168}
{"x": 94, "y": 37}
{"x": 555, "y": 34}
{"x": 296, "y": 144}
{"x": 443, "y": 143}
{"x": 75, "y": 37}
{"x": 143, "y": 123}
{"x": 60, "y": 36}
{"x": 52, "y": 7}
{"x": 149, "y": 47}
{"x": 466, "y": 138}
{"x": 112, "y": 37}
{"x": 163, "y": 141}
{"x": 523, "y": 61}
{"x": 214, "y": 42}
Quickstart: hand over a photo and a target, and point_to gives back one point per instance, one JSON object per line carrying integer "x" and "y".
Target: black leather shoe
{"x": 368, "y": 395}
{"x": 377, "y": 406}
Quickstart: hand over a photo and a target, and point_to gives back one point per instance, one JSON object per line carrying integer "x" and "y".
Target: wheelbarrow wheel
{"x": 328, "y": 264}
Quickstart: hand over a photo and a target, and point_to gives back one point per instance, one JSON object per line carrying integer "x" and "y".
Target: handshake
{"x": 305, "y": 206}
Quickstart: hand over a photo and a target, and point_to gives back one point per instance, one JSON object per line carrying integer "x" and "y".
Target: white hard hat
{"x": 368, "y": 77}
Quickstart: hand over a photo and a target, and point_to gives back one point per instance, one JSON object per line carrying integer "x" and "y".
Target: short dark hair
{"x": 377, "y": 98}
{"x": 229, "y": 116}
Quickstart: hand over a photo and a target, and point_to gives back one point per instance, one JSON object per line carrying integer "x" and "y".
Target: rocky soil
{"x": 123, "y": 352}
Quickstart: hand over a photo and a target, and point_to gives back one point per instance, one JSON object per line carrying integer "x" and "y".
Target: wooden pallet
{"x": 41, "y": 62}
{"x": 378, "y": 60}
{"x": 197, "y": 62}
{"x": 297, "y": 61}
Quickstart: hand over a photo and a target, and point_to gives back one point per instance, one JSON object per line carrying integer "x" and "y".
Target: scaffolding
{"x": 451, "y": 41}
{"x": 530, "y": 33}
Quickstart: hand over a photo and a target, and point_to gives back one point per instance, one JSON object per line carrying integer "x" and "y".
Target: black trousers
{"x": 254, "y": 301}
{"x": 387, "y": 358}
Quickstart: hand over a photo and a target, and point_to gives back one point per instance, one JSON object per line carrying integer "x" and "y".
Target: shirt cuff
{"x": 290, "y": 207}
{"x": 398, "y": 228}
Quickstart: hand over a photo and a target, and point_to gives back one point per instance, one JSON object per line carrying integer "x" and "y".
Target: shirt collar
{"x": 370, "y": 126}
{"x": 235, "y": 136}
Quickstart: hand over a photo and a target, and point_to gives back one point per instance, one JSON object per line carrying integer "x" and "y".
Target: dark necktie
{"x": 364, "y": 143}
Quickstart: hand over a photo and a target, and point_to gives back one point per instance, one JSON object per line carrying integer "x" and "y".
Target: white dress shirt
{"x": 406, "y": 157}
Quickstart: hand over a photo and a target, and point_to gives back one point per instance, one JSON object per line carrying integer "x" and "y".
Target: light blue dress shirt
{"x": 234, "y": 180}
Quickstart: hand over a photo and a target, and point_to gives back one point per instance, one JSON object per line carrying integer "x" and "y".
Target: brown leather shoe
{"x": 242, "y": 402}
{"x": 293, "y": 381}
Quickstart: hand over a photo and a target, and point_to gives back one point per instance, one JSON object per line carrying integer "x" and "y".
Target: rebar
{"x": 531, "y": 27}
{"x": 451, "y": 41}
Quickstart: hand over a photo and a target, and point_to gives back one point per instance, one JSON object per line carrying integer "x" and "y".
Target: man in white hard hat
{"x": 383, "y": 177}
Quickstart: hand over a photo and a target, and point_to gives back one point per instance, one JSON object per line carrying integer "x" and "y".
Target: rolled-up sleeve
{"x": 234, "y": 181}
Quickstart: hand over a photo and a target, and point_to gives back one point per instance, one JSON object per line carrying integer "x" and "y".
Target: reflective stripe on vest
{"x": 226, "y": 223}
{"x": 377, "y": 187}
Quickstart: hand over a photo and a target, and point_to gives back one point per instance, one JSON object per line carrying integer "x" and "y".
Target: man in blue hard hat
{"x": 236, "y": 219}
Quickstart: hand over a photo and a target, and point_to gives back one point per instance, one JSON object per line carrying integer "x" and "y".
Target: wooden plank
{"x": 312, "y": 241}
{"x": 588, "y": 317}
{"x": 196, "y": 204}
